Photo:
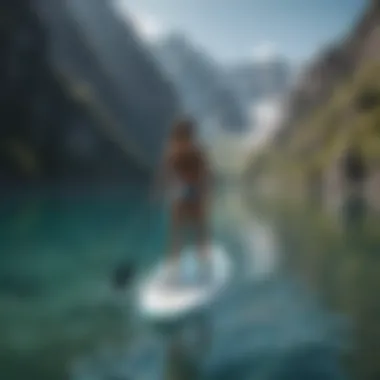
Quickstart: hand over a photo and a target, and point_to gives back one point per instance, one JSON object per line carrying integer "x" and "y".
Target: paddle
{"x": 143, "y": 227}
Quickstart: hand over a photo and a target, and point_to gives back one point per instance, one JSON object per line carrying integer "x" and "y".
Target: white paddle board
{"x": 175, "y": 288}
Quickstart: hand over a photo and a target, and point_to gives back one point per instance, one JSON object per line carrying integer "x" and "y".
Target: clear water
{"x": 60, "y": 318}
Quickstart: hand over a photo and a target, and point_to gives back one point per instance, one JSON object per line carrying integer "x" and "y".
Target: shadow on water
{"x": 61, "y": 313}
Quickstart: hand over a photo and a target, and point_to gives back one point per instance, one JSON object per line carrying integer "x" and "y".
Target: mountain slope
{"x": 66, "y": 113}
{"x": 93, "y": 44}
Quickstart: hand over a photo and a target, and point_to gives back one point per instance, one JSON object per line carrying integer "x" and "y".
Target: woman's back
{"x": 187, "y": 163}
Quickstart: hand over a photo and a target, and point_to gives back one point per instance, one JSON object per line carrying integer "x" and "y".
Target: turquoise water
{"x": 60, "y": 317}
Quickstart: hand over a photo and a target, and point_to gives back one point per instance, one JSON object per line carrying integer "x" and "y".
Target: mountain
{"x": 74, "y": 105}
{"x": 214, "y": 91}
{"x": 143, "y": 101}
{"x": 333, "y": 108}
{"x": 257, "y": 80}
{"x": 200, "y": 83}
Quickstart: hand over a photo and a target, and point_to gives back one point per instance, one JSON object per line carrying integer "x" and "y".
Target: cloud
{"x": 264, "y": 51}
{"x": 146, "y": 25}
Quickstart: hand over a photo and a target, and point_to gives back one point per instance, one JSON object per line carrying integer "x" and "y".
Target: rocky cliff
{"x": 148, "y": 100}
{"x": 334, "y": 106}
{"x": 336, "y": 65}
{"x": 63, "y": 114}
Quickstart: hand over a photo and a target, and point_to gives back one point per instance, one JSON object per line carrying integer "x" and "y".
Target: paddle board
{"x": 174, "y": 288}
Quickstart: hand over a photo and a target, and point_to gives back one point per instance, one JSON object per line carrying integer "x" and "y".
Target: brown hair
{"x": 183, "y": 128}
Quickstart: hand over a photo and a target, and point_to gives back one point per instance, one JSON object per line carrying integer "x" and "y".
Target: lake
{"x": 302, "y": 303}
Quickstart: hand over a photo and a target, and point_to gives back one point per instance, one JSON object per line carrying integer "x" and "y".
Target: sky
{"x": 233, "y": 30}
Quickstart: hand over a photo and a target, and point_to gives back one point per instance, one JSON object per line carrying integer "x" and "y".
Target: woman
{"x": 185, "y": 173}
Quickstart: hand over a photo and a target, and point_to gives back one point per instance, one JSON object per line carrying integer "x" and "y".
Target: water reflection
{"x": 339, "y": 263}
{"x": 261, "y": 249}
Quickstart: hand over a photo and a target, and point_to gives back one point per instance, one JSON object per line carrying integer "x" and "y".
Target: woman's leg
{"x": 176, "y": 230}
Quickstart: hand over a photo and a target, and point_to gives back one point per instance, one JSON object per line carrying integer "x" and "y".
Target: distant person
{"x": 354, "y": 167}
{"x": 185, "y": 175}
{"x": 355, "y": 174}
